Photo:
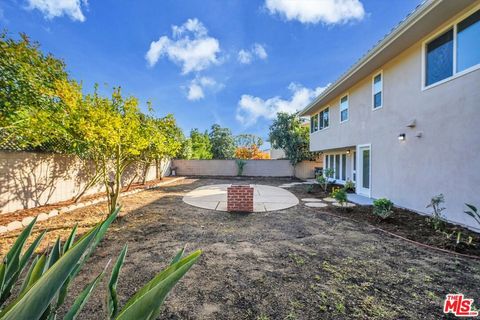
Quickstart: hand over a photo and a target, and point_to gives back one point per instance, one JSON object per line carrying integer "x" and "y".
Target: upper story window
{"x": 323, "y": 119}
{"x": 344, "y": 109}
{"x": 377, "y": 91}
{"x": 314, "y": 123}
{"x": 441, "y": 62}
{"x": 468, "y": 42}
{"x": 439, "y": 58}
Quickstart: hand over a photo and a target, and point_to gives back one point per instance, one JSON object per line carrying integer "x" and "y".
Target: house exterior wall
{"x": 445, "y": 159}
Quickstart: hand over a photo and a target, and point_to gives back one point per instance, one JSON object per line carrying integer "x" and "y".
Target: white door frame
{"x": 359, "y": 174}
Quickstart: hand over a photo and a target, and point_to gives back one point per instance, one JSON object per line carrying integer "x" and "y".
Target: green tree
{"x": 201, "y": 146}
{"x": 109, "y": 131}
{"x": 186, "y": 151}
{"x": 163, "y": 141}
{"x": 31, "y": 113}
{"x": 248, "y": 140}
{"x": 223, "y": 143}
{"x": 287, "y": 132}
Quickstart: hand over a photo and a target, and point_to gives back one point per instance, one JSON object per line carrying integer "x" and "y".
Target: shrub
{"x": 45, "y": 285}
{"x": 340, "y": 195}
{"x": 437, "y": 218}
{"x": 309, "y": 188}
{"x": 326, "y": 179}
{"x": 240, "y": 165}
{"x": 382, "y": 208}
{"x": 349, "y": 186}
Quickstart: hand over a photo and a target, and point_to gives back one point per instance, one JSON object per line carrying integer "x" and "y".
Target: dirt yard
{"x": 296, "y": 263}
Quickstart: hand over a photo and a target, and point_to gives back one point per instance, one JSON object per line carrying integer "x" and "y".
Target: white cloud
{"x": 198, "y": 86}
{"x": 315, "y": 11}
{"x": 57, "y": 8}
{"x": 247, "y": 56}
{"x": 190, "y": 47}
{"x": 251, "y": 108}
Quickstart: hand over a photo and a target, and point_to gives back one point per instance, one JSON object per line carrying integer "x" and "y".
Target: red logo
{"x": 459, "y": 306}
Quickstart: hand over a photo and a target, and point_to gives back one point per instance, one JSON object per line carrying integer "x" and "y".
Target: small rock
{"x": 316, "y": 204}
{"x": 345, "y": 205}
{"x": 14, "y": 225}
{"x": 26, "y": 221}
{"x": 42, "y": 217}
{"x": 53, "y": 213}
{"x": 3, "y": 229}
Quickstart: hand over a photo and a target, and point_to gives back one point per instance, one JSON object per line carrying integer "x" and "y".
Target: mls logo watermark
{"x": 459, "y": 306}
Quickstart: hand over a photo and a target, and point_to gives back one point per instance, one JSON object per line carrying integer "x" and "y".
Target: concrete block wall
{"x": 30, "y": 179}
{"x": 253, "y": 168}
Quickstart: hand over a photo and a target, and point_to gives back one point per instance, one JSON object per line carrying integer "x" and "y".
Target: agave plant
{"x": 45, "y": 285}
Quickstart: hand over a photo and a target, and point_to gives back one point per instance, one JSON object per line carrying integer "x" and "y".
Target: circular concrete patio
{"x": 265, "y": 198}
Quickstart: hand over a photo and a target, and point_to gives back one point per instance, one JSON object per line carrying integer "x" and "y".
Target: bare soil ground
{"x": 297, "y": 263}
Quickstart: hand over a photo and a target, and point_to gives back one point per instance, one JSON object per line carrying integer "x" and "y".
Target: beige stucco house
{"x": 404, "y": 121}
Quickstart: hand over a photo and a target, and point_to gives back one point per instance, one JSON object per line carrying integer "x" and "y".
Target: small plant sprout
{"x": 436, "y": 203}
{"x": 309, "y": 188}
{"x": 382, "y": 208}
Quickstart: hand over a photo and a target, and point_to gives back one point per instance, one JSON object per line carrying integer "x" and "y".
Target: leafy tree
{"x": 251, "y": 152}
{"x": 222, "y": 141}
{"x": 201, "y": 146}
{"x": 288, "y": 133}
{"x": 31, "y": 114}
{"x": 248, "y": 140}
{"x": 164, "y": 141}
{"x": 186, "y": 149}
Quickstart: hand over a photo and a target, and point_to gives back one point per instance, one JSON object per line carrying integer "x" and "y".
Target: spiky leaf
{"x": 146, "y": 303}
{"x": 37, "y": 299}
{"x": 112, "y": 300}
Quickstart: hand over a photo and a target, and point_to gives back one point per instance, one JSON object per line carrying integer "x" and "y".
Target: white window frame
{"x": 340, "y": 107}
{"x": 340, "y": 171}
{"x": 373, "y": 90}
{"x": 329, "y": 109}
{"x": 455, "y": 74}
{"x": 312, "y": 129}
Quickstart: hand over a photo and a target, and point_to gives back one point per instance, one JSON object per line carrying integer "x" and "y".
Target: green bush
{"x": 45, "y": 285}
{"x": 326, "y": 179}
{"x": 382, "y": 208}
{"x": 349, "y": 186}
{"x": 340, "y": 195}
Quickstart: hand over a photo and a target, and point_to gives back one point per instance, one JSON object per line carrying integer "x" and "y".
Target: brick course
{"x": 240, "y": 198}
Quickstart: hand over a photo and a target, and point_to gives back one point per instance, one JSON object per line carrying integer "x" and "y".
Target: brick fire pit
{"x": 240, "y": 198}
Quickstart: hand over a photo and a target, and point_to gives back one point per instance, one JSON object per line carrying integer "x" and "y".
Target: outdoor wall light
{"x": 348, "y": 151}
{"x": 401, "y": 137}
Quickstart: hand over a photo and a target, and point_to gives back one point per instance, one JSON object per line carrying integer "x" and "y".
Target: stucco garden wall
{"x": 29, "y": 179}
{"x": 253, "y": 168}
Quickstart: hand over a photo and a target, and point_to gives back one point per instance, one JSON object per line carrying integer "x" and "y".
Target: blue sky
{"x": 232, "y": 62}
